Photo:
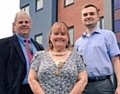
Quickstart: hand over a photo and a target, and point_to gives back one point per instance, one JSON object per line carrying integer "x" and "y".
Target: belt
{"x": 98, "y": 78}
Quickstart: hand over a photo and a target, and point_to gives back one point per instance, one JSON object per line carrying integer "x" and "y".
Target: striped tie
{"x": 29, "y": 49}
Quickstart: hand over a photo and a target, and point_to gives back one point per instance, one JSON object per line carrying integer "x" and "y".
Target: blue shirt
{"x": 98, "y": 50}
{"x": 22, "y": 43}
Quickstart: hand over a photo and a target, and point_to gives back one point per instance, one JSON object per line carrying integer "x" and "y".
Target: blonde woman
{"x": 58, "y": 70}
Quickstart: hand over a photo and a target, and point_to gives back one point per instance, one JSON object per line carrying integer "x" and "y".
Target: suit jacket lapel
{"x": 35, "y": 44}
{"x": 18, "y": 47}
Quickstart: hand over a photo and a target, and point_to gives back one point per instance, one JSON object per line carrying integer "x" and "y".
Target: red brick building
{"x": 71, "y": 14}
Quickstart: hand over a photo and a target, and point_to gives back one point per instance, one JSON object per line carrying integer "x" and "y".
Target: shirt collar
{"x": 97, "y": 31}
{"x": 21, "y": 38}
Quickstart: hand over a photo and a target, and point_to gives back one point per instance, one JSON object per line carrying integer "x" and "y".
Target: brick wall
{"x": 72, "y": 14}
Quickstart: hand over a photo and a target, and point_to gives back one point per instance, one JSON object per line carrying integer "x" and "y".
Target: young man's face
{"x": 90, "y": 17}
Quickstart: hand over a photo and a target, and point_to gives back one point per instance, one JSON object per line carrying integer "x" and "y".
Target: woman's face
{"x": 59, "y": 35}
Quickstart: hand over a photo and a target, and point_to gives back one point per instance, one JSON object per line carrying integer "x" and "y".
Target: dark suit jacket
{"x": 12, "y": 65}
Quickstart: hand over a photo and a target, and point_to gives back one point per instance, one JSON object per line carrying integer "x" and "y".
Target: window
{"x": 71, "y": 32}
{"x": 26, "y": 9}
{"x": 101, "y": 23}
{"x": 38, "y": 38}
{"x": 68, "y": 2}
{"x": 39, "y": 4}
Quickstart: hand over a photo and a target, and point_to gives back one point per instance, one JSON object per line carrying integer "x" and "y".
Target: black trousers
{"x": 25, "y": 89}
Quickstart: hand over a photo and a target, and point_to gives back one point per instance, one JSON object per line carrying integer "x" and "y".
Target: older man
{"x": 16, "y": 53}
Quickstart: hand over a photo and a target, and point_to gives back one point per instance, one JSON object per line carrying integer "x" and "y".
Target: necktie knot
{"x": 26, "y": 41}
{"x": 27, "y": 44}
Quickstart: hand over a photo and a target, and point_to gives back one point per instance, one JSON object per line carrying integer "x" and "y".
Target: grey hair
{"x": 22, "y": 13}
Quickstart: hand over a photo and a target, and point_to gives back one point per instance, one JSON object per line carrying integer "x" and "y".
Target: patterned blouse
{"x": 46, "y": 71}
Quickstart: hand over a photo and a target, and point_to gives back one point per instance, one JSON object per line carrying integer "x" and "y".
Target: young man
{"x": 16, "y": 53}
{"x": 101, "y": 53}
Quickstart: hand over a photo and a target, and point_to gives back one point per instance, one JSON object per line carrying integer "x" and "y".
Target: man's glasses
{"x": 59, "y": 68}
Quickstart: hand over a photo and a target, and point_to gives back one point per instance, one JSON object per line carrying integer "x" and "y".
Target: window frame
{"x": 26, "y": 8}
{"x": 71, "y": 33}
{"x": 38, "y": 38}
{"x": 40, "y": 3}
{"x": 101, "y": 22}
{"x": 69, "y": 3}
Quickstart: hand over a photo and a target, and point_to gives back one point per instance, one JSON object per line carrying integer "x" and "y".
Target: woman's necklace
{"x": 59, "y": 54}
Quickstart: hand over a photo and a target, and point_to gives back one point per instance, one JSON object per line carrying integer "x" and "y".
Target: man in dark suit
{"x": 14, "y": 57}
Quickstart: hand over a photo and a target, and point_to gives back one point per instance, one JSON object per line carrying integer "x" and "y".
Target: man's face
{"x": 23, "y": 25}
{"x": 90, "y": 17}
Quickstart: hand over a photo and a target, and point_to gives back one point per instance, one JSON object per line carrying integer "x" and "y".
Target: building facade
{"x": 45, "y": 12}
{"x": 116, "y": 20}
{"x": 116, "y": 24}
{"x": 69, "y": 11}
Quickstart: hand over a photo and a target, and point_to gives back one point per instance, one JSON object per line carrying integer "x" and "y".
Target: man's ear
{"x": 13, "y": 27}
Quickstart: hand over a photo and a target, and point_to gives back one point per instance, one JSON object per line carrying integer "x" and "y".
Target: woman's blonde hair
{"x": 60, "y": 23}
